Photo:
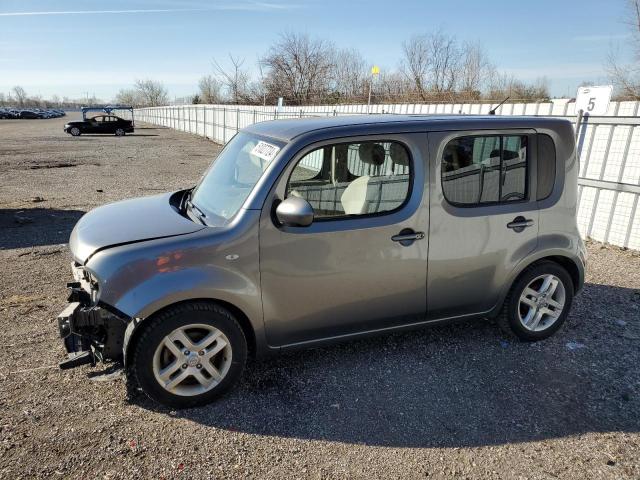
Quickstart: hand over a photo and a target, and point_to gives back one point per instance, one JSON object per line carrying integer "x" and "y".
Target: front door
{"x": 484, "y": 218}
{"x": 349, "y": 271}
{"x": 96, "y": 124}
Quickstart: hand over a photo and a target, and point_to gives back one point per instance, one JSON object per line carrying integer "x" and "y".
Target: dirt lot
{"x": 458, "y": 401}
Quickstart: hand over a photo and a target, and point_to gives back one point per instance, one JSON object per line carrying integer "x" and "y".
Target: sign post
{"x": 591, "y": 101}
{"x": 375, "y": 71}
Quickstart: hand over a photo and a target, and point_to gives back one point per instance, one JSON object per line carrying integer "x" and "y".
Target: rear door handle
{"x": 519, "y": 224}
{"x": 407, "y": 236}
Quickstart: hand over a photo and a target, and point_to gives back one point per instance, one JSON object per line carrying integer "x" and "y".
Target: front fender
{"x": 220, "y": 264}
{"x": 204, "y": 282}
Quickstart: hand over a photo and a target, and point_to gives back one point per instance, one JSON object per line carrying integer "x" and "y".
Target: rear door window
{"x": 489, "y": 169}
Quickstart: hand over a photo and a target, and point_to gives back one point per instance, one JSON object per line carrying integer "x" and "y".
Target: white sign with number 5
{"x": 593, "y": 100}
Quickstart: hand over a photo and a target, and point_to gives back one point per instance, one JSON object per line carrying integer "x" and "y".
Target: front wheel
{"x": 120, "y": 132}
{"x": 75, "y": 131}
{"x": 189, "y": 355}
{"x": 538, "y": 303}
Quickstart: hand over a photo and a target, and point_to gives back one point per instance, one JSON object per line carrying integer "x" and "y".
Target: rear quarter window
{"x": 546, "y": 166}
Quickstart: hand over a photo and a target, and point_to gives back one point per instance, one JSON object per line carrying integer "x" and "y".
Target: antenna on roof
{"x": 493, "y": 110}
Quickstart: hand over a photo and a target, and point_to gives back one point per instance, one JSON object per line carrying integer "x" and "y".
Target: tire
{"x": 531, "y": 317}
{"x": 187, "y": 380}
{"x": 75, "y": 131}
{"x": 120, "y": 132}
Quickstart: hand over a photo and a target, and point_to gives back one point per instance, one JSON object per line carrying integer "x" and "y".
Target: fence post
{"x": 204, "y": 122}
{"x": 254, "y": 115}
{"x": 238, "y": 120}
{"x": 224, "y": 125}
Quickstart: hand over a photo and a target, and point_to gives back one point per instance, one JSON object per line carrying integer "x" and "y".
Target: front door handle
{"x": 407, "y": 236}
{"x": 519, "y": 224}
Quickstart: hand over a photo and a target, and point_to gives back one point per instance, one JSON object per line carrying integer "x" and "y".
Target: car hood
{"x": 128, "y": 221}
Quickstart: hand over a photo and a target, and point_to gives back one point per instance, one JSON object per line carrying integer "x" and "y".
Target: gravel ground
{"x": 457, "y": 401}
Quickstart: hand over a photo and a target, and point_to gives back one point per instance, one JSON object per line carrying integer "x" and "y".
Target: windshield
{"x": 232, "y": 175}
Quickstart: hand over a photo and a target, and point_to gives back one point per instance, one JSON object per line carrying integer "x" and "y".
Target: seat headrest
{"x": 399, "y": 155}
{"x": 371, "y": 154}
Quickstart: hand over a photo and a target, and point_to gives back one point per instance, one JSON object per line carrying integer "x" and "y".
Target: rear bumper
{"x": 91, "y": 331}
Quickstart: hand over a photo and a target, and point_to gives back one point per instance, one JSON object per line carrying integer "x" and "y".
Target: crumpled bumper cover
{"x": 90, "y": 333}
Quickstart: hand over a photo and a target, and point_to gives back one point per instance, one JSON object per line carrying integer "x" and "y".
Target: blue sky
{"x": 71, "y": 48}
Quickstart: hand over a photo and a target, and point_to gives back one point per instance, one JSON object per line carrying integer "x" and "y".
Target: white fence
{"x": 609, "y": 146}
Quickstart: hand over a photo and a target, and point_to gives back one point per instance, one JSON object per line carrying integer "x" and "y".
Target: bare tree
{"x": 432, "y": 63}
{"x": 503, "y": 85}
{"x": 474, "y": 70}
{"x": 235, "y": 79}
{"x": 351, "y": 75}
{"x": 151, "y": 93}
{"x": 626, "y": 77}
{"x": 129, "y": 97}
{"x": 445, "y": 62}
{"x": 210, "y": 89}
{"x": 415, "y": 64}
{"x": 20, "y": 94}
{"x": 299, "y": 68}
{"x": 393, "y": 87}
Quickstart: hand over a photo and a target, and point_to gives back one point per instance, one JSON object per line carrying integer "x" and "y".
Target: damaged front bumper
{"x": 90, "y": 332}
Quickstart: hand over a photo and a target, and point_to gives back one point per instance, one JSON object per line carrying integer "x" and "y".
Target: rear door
{"x": 110, "y": 124}
{"x": 484, "y": 219}
{"x": 117, "y": 122}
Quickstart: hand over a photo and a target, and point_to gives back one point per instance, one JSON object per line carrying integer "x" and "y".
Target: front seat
{"x": 355, "y": 198}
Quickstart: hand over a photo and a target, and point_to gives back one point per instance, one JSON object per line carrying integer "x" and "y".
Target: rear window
{"x": 485, "y": 169}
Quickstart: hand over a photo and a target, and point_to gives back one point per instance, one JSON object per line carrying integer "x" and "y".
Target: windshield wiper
{"x": 199, "y": 214}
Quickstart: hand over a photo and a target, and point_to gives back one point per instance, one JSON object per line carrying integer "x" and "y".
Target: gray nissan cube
{"x": 310, "y": 231}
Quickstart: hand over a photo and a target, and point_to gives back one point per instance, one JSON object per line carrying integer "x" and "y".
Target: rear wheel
{"x": 538, "y": 303}
{"x": 120, "y": 132}
{"x": 75, "y": 131}
{"x": 189, "y": 355}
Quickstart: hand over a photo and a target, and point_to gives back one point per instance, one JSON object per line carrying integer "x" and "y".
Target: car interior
{"x": 353, "y": 179}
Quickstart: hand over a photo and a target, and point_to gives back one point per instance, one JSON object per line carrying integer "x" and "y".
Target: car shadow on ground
{"x": 32, "y": 227}
{"x": 461, "y": 385}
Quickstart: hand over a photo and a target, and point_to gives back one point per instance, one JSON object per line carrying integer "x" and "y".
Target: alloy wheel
{"x": 541, "y": 302}
{"x": 192, "y": 360}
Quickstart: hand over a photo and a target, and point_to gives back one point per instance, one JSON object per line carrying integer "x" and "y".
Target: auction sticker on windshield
{"x": 265, "y": 151}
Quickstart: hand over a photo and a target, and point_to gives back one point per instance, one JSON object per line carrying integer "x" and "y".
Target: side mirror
{"x": 295, "y": 212}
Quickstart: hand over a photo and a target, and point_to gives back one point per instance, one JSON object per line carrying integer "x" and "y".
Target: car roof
{"x": 288, "y": 129}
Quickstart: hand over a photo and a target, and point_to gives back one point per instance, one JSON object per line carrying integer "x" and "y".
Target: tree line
{"x": 18, "y": 97}
{"x": 303, "y": 70}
